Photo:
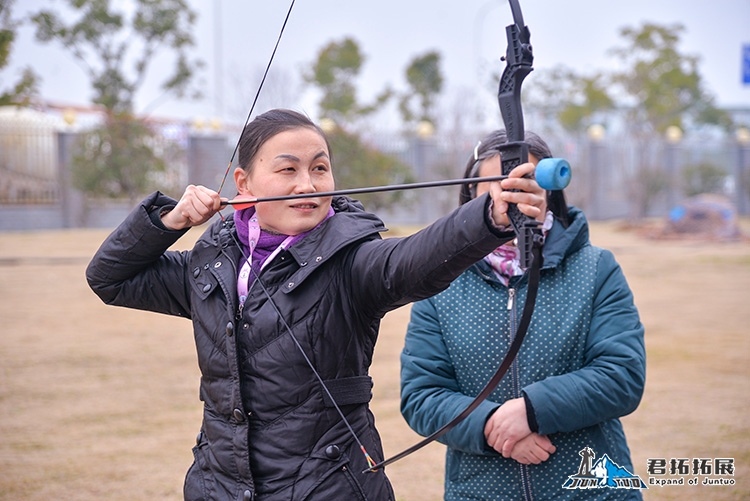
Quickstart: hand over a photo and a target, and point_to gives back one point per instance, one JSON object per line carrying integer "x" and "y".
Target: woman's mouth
{"x": 304, "y": 206}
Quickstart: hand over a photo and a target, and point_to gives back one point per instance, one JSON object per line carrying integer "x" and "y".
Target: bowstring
{"x": 370, "y": 462}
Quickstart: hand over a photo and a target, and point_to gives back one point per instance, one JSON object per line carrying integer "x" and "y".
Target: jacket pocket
{"x": 203, "y": 282}
{"x": 338, "y": 474}
{"x": 338, "y": 482}
{"x": 199, "y": 480}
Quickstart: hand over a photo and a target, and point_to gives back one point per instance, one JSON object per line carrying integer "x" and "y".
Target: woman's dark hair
{"x": 265, "y": 126}
{"x": 489, "y": 147}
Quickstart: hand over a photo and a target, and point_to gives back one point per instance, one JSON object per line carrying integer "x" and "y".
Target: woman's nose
{"x": 304, "y": 183}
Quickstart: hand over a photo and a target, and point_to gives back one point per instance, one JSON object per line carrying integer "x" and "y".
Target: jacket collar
{"x": 562, "y": 242}
{"x": 351, "y": 223}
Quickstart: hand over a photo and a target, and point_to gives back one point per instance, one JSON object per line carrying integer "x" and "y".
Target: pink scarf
{"x": 506, "y": 262}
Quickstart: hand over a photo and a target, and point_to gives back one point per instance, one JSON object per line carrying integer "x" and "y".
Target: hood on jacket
{"x": 562, "y": 242}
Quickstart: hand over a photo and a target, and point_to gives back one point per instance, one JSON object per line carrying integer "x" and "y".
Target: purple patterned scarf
{"x": 506, "y": 262}
{"x": 267, "y": 242}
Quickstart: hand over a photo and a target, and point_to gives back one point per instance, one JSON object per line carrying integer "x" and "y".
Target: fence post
{"x": 742, "y": 176}
{"x": 673, "y": 136}
{"x": 71, "y": 200}
{"x": 596, "y": 133}
{"x": 206, "y": 155}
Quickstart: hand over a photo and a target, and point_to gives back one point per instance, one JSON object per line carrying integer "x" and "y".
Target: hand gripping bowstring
{"x": 518, "y": 58}
{"x": 275, "y": 307}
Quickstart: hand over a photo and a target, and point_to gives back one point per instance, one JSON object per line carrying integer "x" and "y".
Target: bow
{"x": 518, "y": 58}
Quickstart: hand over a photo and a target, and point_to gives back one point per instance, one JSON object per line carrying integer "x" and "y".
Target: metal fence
{"x": 610, "y": 176}
{"x": 36, "y": 182}
{"x": 28, "y": 158}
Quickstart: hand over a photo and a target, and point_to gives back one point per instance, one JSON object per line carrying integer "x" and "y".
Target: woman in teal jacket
{"x": 552, "y": 426}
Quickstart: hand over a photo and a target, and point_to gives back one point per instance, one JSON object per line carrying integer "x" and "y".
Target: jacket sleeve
{"x": 430, "y": 394}
{"x": 396, "y": 271}
{"x": 133, "y": 268}
{"x": 611, "y": 380}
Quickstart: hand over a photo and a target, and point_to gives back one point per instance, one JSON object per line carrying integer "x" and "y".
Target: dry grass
{"x": 101, "y": 403}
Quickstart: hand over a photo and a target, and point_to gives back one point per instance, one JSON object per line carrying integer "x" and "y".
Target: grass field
{"x": 101, "y": 403}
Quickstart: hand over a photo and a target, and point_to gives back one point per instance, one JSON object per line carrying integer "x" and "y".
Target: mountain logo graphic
{"x": 602, "y": 473}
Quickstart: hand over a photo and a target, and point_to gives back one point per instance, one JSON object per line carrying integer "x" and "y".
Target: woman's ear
{"x": 242, "y": 180}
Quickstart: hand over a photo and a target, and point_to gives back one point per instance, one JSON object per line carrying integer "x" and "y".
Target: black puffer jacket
{"x": 269, "y": 429}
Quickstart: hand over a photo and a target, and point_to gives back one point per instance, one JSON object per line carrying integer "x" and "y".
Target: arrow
{"x": 244, "y": 203}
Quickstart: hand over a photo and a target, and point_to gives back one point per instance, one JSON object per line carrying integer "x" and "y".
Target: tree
{"x": 120, "y": 158}
{"x": 117, "y": 159}
{"x": 703, "y": 177}
{"x": 115, "y": 52}
{"x": 358, "y": 165}
{"x": 334, "y": 72}
{"x": 589, "y": 99}
{"x": 655, "y": 87}
{"x": 425, "y": 81}
{"x": 663, "y": 86}
{"x": 281, "y": 89}
{"x": 25, "y": 88}
{"x": 576, "y": 101}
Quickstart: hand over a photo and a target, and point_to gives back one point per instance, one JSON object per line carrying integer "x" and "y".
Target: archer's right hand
{"x": 196, "y": 206}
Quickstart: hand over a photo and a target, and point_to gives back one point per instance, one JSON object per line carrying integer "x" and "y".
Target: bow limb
{"x": 510, "y": 356}
{"x": 519, "y": 59}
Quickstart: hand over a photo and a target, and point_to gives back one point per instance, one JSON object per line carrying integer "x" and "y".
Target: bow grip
{"x": 528, "y": 230}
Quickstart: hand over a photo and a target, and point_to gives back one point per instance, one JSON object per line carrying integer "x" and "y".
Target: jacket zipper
{"x": 240, "y": 303}
{"x": 240, "y": 307}
{"x": 524, "y": 469}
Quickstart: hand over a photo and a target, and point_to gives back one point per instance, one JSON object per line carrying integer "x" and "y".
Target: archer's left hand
{"x": 531, "y": 199}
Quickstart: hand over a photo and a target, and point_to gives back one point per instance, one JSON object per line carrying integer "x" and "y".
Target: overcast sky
{"x": 467, "y": 33}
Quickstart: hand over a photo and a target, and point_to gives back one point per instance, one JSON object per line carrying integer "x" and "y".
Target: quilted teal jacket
{"x": 582, "y": 366}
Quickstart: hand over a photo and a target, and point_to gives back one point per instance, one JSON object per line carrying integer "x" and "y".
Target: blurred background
{"x": 101, "y": 104}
